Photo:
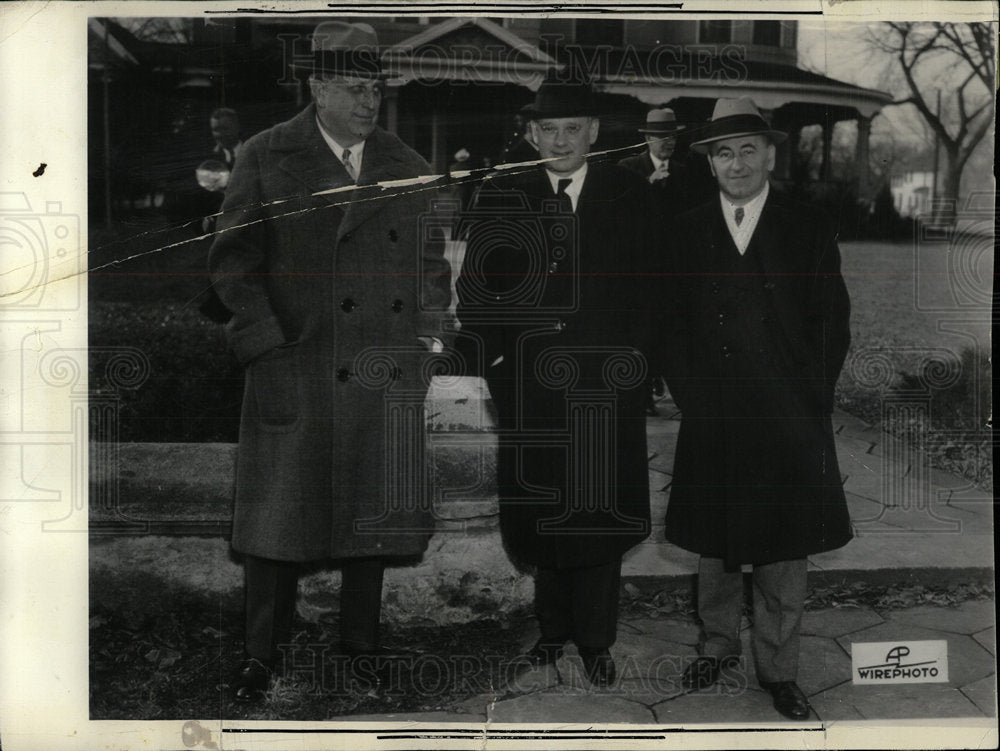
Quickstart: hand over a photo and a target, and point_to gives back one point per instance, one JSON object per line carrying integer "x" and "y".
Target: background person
{"x": 213, "y": 175}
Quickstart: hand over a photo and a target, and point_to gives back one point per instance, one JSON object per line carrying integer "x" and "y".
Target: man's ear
{"x": 595, "y": 127}
{"x": 711, "y": 166}
{"x": 532, "y": 132}
{"x": 772, "y": 153}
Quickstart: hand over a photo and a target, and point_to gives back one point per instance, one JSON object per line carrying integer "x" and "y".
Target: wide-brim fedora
{"x": 661, "y": 122}
{"x": 344, "y": 49}
{"x": 733, "y": 118}
{"x": 558, "y": 96}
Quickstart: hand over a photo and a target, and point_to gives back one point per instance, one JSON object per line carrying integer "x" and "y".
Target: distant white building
{"x": 912, "y": 192}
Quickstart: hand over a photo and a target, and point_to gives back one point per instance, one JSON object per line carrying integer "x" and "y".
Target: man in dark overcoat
{"x": 337, "y": 297}
{"x": 759, "y": 314}
{"x": 553, "y": 316}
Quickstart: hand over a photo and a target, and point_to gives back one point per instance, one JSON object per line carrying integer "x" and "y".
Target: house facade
{"x": 457, "y": 81}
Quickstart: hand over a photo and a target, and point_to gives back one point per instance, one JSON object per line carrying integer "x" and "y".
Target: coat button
{"x": 347, "y": 305}
{"x": 553, "y": 267}
{"x": 560, "y": 326}
{"x": 397, "y": 306}
{"x": 343, "y": 374}
{"x": 768, "y": 285}
{"x": 393, "y": 235}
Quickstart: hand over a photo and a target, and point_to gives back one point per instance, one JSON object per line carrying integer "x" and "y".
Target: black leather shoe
{"x": 252, "y": 679}
{"x": 705, "y": 670}
{"x": 598, "y": 666}
{"x": 788, "y": 699}
{"x": 545, "y": 652}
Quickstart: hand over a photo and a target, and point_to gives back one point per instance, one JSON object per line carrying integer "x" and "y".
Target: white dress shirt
{"x": 574, "y": 188}
{"x": 751, "y": 214}
{"x": 357, "y": 150}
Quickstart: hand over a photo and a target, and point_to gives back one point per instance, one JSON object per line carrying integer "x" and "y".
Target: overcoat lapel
{"x": 382, "y": 162}
{"x": 720, "y": 242}
{"x": 309, "y": 160}
{"x": 767, "y": 243}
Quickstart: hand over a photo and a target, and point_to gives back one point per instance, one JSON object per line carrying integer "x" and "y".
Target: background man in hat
{"x": 676, "y": 183}
{"x": 519, "y": 147}
{"x": 335, "y": 302}
{"x": 759, "y": 314}
{"x": 553, "y": 316}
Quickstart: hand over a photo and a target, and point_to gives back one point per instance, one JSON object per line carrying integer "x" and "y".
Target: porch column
{"x": 861, "y": 158}
{"x": 392, "y": 109}
{"x": 825, "y": 166}
{"x": 437, "y": 140}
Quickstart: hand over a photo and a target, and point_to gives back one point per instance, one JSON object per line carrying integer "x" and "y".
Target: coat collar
{"x": 309, "y": 160}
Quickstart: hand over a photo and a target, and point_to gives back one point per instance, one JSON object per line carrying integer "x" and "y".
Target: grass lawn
{"x": 921, "y": 318}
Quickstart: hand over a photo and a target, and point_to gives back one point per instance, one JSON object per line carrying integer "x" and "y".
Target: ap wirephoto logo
{"x": 900, "y": 662}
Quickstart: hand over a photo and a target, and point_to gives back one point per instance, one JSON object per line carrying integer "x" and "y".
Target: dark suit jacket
{"x": 755, "y": 346}
{"x": 561, "y": 298}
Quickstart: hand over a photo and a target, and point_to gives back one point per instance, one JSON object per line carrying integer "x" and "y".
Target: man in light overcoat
{"x": 338, "y": 296}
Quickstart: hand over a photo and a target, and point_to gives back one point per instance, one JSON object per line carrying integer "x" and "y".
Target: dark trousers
{"x": 271, "y": 586}
{"x": 779, "y": 593}
{"x": 579, "y": 604}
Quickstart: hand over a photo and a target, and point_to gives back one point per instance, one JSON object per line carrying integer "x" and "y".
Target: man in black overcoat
{"x": 759, "y": 314}
{"x": 553, "y": 316}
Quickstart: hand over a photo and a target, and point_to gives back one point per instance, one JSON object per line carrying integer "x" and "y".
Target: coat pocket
{"x": 274, "y": 383}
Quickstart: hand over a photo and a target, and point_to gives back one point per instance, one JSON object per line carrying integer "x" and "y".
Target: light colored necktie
{"x": 738, "y": 215}
{"x": 348, "y": 166}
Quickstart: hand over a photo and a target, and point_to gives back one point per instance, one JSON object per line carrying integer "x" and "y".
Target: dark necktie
{"x": 565, "y": 202}
{"x": 738, "y": 215}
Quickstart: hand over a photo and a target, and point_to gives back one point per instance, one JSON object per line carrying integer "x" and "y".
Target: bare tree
{"x": 959, "y": 58}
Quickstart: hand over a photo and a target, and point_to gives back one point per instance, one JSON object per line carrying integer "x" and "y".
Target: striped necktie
{"x": 348, "y": 166}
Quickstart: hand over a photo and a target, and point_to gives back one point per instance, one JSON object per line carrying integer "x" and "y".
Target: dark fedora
{"x": 562, "y": 97}
{"x": 732, "y": 118}
{"x": 344, "y": 49}
{"x": 661, "y": 122}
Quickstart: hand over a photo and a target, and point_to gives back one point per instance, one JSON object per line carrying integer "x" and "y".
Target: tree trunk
{"x": 946, "y": 200}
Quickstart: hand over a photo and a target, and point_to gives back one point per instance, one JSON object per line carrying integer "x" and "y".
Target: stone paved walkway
{"x": 910, "y": 520}
{"x": 651, "y": 653}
